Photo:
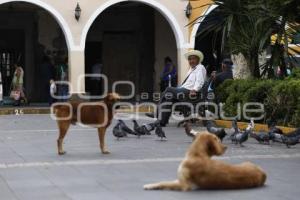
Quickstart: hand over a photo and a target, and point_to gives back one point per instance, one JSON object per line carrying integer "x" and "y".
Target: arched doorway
{"x": 32, "y": 38}
{"x": 209, "y": 42}
{"x": 130, "y": 40}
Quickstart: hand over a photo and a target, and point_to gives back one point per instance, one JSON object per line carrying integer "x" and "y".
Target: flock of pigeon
{"x": 235, "y": 134}
{"x": 122, "y": 130}
{"x": 239, "y": 137}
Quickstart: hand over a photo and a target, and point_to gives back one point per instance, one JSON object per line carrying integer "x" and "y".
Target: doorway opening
{"x": 31, "y": 38}
{"x": 129, "y": 41}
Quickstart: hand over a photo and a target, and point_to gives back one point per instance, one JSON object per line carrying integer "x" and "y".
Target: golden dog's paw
{"x": 62, "y": 153}
{"x": 105, "y": 152}
{"x": 150, "y": 187}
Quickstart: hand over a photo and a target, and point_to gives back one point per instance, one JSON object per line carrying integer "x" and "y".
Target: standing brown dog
{"x": 94, "y": 114}
{"x": 198, "y": 170}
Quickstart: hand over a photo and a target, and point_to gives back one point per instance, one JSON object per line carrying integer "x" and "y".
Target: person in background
{"x": 288, "y": 69}
{"x": 278, "y": 72}
{"x": 52, "y": 92}
{"x": 218, "y": 79}
{"x": 211, "y": 81}
{"x": 96, "y": 81}
{"x": 169, "y": 75}
{"x": 17, "y": 92}
{"x": 62, "y": 75}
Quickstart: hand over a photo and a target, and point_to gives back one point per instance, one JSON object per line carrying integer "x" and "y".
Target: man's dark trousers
{"x": 170, "y": 96}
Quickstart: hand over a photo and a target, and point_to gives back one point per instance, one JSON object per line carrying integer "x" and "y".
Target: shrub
{"x": 281, "y": 98}
{"x": 295, "y": 73}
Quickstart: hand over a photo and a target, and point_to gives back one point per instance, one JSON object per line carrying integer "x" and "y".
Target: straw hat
{"x": 197, "y": 53}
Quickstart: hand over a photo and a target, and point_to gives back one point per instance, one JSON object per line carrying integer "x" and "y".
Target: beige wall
{"x": 76, "y": 62}
{"x": 89, "y": 7}
{"x": 63, "y": 11}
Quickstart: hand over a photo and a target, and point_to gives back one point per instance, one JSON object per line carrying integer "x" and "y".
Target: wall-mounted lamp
{"x": 77, "y": 12}
{"x": 188, "y": 10}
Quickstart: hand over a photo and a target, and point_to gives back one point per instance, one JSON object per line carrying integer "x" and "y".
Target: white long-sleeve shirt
{"x": 196, "y": 78}
{"x": 53, "y": 88}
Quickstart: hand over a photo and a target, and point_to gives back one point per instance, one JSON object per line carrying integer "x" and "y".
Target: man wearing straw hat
{"x": 190, "y": 86}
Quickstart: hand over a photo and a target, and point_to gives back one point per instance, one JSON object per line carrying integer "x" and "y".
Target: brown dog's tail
{"x": 263, "y": 178}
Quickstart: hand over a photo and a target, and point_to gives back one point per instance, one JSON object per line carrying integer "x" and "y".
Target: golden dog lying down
{"x": 198, "y": 170}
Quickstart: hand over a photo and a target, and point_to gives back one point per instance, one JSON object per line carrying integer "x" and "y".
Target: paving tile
{"x": 34, "y": 170}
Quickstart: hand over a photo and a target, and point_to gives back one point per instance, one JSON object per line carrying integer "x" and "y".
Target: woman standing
{"x": 169, "y": 75}
{"x": 17, "y": 92}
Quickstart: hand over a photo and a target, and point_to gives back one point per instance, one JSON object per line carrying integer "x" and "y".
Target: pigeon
{"x": 290, "y": 140}
{"x": 189, "y": 131}
{"x": 125, "y": 128}
{"x": 212, "y": 128}
{"x": 118, "y": 132}
{"x": 150, "y": 127}
{"x": 250, "y": 126}
{"x": 276, "y": 130}
{"x": 160, "y": 132}
{"x": 295, "y": 133}
{"x": 276, "y": 137}
{"x": 275, "y": 134}
{"x": 234, "y": 130}
{"x": 261, "y": 137}
{"x": 235, "y": 127}
{"x": 140, "y": 130}
{"x": 273, "y": 130}
{"x": 240, "y": 138}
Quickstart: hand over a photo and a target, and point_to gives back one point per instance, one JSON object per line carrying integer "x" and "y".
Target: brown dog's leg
{"x": 101, "y": 134}
{"x": 168, "y": 185}
{"x": 63, "y": 128}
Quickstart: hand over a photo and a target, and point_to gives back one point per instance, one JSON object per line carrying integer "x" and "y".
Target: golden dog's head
{"x": 207, "y": 143}
{"x": 112, "y": 98}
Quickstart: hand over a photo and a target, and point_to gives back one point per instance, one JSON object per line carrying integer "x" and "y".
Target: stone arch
{"x": 180, "y": 41}
{"x": 57, "y": 16}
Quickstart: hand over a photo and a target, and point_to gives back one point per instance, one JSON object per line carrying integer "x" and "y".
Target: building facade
{"x": 129, "y": 38}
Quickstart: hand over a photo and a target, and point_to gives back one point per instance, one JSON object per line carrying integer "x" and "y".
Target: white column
{"x": 183, "y": 65}
{"x": 76, "y": 70}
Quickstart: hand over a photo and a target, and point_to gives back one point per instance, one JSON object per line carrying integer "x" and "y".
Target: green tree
{"x": 247, "y": 27}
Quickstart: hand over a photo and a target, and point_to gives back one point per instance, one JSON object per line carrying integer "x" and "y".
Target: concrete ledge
{"x": 142, "y": 109}
{"x": 24, "y": 110}
{"x": 46, "y": 110}
{"x": 258, "y": 127}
